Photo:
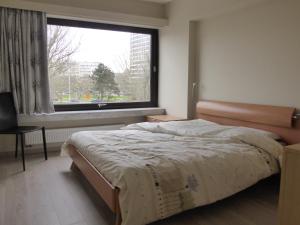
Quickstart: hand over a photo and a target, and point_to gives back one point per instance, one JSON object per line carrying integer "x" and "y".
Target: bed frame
{"x": 283, "y": 121}
{"x": 103, "y": 187}
{"x": 279, "y": 120}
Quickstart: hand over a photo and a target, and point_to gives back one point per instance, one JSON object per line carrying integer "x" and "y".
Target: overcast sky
{"x": 100, "y": 46}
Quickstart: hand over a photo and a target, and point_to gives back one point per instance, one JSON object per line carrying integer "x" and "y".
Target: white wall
{"x": 173, "y": 79}
{"x": 252, "y": 55}
{"x": 133, "y": 7}
{"x": 176, "y": 46}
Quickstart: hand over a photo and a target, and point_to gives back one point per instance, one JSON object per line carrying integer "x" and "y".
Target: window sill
{"x": 93, "y": 114}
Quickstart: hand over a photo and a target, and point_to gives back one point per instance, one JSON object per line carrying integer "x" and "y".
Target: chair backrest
{"x": 8, "y": 114}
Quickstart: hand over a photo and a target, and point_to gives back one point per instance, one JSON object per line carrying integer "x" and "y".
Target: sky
{"x": 108, "y": 47}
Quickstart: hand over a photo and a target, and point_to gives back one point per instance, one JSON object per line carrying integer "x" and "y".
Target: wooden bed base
{"x": 103, "y": 187}
{"x": 276, "y": 119}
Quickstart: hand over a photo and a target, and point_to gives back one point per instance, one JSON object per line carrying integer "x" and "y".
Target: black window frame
{"x": 153, "y": 65}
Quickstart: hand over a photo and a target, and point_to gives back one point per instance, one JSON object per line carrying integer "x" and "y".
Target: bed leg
{"x": 118, "y": 216}
{"x": 118, "y": 219}
{"x": 74, "y": 168}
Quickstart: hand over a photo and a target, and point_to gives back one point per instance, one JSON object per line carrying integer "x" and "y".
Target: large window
{"x": 101, "y": 66}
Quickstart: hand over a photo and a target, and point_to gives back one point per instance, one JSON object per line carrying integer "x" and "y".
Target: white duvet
{"x": 166, "y": 168}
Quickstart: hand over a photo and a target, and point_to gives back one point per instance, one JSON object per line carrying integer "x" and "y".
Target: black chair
{"x": 9, "y": 124}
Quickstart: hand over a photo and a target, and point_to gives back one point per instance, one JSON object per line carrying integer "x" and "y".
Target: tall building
{"x": 140, "y": 49}
{"x": 140, "y": 46}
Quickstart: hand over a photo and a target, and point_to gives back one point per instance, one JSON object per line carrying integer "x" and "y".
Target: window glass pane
{"x": 98, "y": 66}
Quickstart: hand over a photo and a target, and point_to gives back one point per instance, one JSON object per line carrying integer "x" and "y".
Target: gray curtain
{"x": 23, "y": 60}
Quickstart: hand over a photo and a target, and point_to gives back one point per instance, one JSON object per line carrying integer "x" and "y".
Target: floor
{"x": 48, "y": 193}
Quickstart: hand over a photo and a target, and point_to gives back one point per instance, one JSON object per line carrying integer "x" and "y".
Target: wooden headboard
{"x": 276, "y": 119}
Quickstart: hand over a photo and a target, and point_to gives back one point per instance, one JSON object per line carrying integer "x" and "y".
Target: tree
{"x": 81, "y": 86}
{"x": 59, "y": 49}
{"x": 104, "y": 82}
{"x": 122, "y": 62}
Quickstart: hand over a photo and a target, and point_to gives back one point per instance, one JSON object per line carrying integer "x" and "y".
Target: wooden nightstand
{"x": 289, "y": 201}
{"x": 162, "y": 118}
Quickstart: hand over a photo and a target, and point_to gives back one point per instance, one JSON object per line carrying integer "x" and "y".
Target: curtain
{"x": 23, "y": 60}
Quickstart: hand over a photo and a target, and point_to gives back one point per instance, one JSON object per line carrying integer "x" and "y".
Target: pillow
{"x": 256, "y": 138}
{"x": 263, "y": 132}
{"x": 181, "y": 128}
{"x": 144, "y": 126}
{"x": 191, "y": 128}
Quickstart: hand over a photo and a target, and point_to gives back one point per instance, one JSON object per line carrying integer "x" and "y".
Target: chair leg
{"x": 17, "y": 145}
{"x": 44, "y": 143}
{"x": 22, "y": 147}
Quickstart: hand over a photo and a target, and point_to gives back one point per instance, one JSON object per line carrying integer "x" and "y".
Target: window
{"x": 101, "y": 66}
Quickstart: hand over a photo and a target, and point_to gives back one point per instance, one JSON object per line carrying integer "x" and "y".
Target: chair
{"x": 9, "y": 124}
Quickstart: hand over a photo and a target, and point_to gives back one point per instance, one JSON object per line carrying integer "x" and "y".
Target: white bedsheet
{"x": 160, "y": 174}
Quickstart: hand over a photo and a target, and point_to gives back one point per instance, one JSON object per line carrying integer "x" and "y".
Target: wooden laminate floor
{"x": 48, "y": 193}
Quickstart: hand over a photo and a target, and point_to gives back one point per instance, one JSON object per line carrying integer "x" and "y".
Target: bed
{"x": 149, "y": 171}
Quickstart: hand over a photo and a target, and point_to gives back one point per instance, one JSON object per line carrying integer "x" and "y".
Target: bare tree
{"x": 129, "y": 80}
{"x": 122, "y": 62}
{"x": 59, "y": 49}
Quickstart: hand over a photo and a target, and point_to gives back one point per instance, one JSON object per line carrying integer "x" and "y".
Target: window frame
{"x": 153, "y": 65}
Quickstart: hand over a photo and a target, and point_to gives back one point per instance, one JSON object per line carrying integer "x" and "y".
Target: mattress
{"x": 163, "y": 169}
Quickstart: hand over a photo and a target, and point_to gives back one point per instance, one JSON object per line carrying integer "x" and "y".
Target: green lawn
{"x": 65, "y": 99}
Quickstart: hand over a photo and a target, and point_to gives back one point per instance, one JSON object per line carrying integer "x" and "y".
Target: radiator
{"x": 61, "y": 134}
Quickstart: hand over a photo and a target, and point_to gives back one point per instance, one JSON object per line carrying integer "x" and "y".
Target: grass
{"x": 65, "y": 99}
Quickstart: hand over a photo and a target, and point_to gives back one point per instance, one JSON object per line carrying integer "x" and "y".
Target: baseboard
{"x": 33, "y": 149}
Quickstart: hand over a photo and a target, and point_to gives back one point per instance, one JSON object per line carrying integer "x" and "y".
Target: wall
{"x": 173, "y": 65}
{"x": 252, "y": 55}
{"x": 132, "y": 7}
{"x": 176, "y": 49}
